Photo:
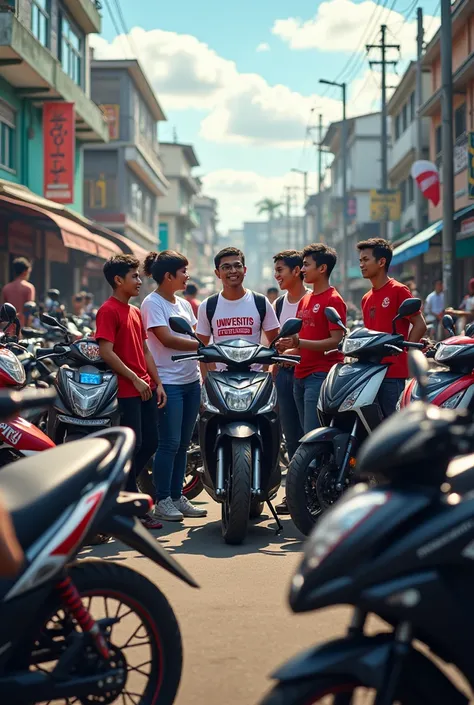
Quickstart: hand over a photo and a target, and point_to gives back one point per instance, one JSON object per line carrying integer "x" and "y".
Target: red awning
{"x": 129, "y": 247}
{"x": 74, "y": 235}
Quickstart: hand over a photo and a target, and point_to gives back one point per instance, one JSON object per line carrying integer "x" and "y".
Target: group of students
{"x": 159, "y": 399}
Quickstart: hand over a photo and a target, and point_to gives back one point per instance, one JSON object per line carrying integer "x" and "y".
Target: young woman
{"x": 181, "y": 381}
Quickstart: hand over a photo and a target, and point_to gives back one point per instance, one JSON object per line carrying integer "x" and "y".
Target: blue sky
{"x": 245, "y": 107}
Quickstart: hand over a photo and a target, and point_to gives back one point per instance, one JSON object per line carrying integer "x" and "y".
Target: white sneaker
{"x": 184, "y": 506}
{"x": 166, "y": 509}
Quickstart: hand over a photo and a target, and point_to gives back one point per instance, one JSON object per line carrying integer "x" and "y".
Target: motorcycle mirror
{"x": 333, "y": 317}
{"x": 180, "y": 325}
{"x": 469, "y": 330}
{"x": 8, "y": 313}
{"x": 448, "y": 324}
{"x": 291, "y": 326}
{"x": 60, "y": 349}
{"x": 418, "y": 368}
{"x": 407, "y": 308}
{"x": 50, "y": 321}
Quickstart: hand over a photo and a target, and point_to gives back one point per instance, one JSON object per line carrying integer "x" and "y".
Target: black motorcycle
{"x": 348, "y": 409}
{"x": 403, "y": 551}
{"x": 239, "y": 429}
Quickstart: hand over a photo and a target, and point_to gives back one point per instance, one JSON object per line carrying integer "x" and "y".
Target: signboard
{"x": 470, "y": 166}
{"x": 351, "y": 207}
{"x": 385, "y": 205}
{"x": 112, "y": 114}
{"x": 467, "y": 227}
{"x": 59, "y": 143}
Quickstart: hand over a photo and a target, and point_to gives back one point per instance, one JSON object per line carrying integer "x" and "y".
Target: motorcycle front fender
{"x": 366, "y": 660}
{"x": 320, "y": 435}
{"x": 238, "y": 429}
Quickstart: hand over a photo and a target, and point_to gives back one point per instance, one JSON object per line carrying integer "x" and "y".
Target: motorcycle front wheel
{"x": 236, "y": 506}
{"x": 330, "y": 690}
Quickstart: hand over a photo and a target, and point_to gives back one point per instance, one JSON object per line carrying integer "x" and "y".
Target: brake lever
{"x": 328, "y": 352}
{"x": 393, "y": 347}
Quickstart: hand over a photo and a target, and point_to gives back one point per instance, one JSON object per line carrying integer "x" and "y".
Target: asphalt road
{"x": 237, "y": 627}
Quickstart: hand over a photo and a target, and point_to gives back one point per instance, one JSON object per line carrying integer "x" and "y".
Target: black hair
{"x": 157, "y": 264}
{"x": 20, "y": 265}
{"x": 228, "y": 252}
{"x": 292, "y": 259}
{"x": 191, "y": 289}
{"x": 321, "y": 254}
{"x": 119, "y": 266}
{"x": 272, "y": 290}
{"x": 380, "y": 248}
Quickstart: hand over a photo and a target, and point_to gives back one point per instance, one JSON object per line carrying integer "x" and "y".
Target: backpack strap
{"x": 279, "y": 305}
{"x": 261, "y": 304}
{"x": 211, "y": 306}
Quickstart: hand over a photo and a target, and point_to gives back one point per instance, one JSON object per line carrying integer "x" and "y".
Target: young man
{"x": 19, "y": 291}
{"x": 122, "y": 341}
{"x": 317, "y": 336}
{"x": 272, "y": 294}
{"x": 235, "y": 312}
{"x": 190, "y": 294}
{"x": 379, "y": 307}
{"x": 290, "y": 280}
{"x": 434, "y": 309}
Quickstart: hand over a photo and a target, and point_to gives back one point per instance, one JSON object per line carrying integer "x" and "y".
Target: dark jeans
{"x": 176, "y": 424}
{"x": 389, "y": 394}
{"x": 287, "y": 409}
{"x": 142, "y": 417}
{"x": 306, "y": 393}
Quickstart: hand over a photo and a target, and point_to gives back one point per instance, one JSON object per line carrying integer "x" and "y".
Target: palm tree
{"x": 271, "y": 209}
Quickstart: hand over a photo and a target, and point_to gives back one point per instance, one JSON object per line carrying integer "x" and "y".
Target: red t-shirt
{"x": 317, "y": 327}
{"x": 379, "y": 308}
{"x": 121, "y": 324}
{"x": 194, "y": 305}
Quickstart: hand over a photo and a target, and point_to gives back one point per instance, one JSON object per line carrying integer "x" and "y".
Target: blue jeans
{"x": 175, "y": 427}
{"x": 306, "y": 393}
{"x": 389, "y": 393}
{"x": 287, "y": 409}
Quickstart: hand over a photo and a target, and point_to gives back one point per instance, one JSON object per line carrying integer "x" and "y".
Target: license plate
{"x": 87, "y": 378}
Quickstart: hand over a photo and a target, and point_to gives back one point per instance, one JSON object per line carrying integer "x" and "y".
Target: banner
{"x": 59, "y": 141}
{"x": 112, "y": 114}
{"x": 426, "y": 175}
{"x": 385, "y": 205}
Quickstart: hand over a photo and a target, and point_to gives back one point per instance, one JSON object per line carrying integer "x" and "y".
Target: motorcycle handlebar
{"x": 12, "y": 403}
{"x": 187, "y": 356}
{"x": 415, "y": 346}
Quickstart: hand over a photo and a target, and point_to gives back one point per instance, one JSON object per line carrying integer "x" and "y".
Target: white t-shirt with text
{"x": 156, "y": 311}
{"x": 289, "y": 310}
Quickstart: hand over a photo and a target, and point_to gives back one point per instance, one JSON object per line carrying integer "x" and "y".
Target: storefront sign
{"x": 470, "y": 169}
{"x": 59, "y": 139}
{"x": 460, "y": 154}
{"x": 112, "y": 114}
{"x": 467, "y": 227}
{"x": 385, "y": 205}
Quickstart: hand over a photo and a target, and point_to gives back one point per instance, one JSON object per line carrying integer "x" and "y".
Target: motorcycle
{"x": 70, "y": 630}
{"x": 239, "y": 430}
{"x": 348, "y": 409}
{"x": 402, "y": 551}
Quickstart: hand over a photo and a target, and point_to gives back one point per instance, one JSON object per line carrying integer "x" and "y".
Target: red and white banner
{"x": 59, "y": 141}
{"x": 426, "y": 175}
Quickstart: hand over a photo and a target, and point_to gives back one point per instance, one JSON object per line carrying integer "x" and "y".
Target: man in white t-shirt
{"x": 236, "y": 312}
{"x": 290, "y": 280}
{"x": 434, "y": 309}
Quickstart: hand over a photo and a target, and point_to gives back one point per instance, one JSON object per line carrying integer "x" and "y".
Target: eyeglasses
{"x": 238, "y": 266}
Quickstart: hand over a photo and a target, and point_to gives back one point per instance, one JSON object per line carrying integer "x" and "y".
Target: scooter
{"x": 239, "y": 430}
{"x": 87, "y": 631}
{"x": 402, "y": 551}
{"x": 322, "y": 467}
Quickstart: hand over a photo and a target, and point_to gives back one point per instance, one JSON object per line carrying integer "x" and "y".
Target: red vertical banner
{"x": 59, "y": 141}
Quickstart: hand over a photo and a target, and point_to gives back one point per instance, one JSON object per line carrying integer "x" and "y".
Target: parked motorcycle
{"x": 92, "y": 631}
{"x": 402, "y": 551}
{"x": 239, "y": 430}
{"x": 322, "y": 468}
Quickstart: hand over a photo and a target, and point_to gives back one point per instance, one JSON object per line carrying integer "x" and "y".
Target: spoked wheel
{"x": 330, "y": 691}
{"x": 139, "y": 626}
{"x": 236, "y": 506}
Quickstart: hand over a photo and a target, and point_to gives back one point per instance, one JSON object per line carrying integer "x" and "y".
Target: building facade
{"x": 204, "y": 239}
{"x": 124, "y": 179}
{"x": 177, "y": 215}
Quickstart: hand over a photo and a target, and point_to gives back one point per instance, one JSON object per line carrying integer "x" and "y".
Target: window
{"x": 40, "y": 13}
{"x": 412, "y": 107}
{"x": 7, "y": 146}
{"x": 411, "y": 190}
{"x": 163, "y": 236}
{"x": 405, "y": 117}
{"x": 147, "y": 211}
{"x": 403, "y": 195}
{"x": 71, "y": 51}
{"x": 438, "y": 140}
{"x": 460, "y": 121}
{"x": 398, "y": 120}
{"x": 136, "y": 202}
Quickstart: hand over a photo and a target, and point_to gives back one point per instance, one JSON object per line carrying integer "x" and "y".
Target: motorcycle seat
{"x": 37, "y": 489}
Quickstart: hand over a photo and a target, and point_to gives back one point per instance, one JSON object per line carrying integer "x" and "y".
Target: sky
{"x": 240, "y": 81}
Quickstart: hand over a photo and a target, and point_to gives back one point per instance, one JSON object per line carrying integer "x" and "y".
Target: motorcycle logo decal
{"x": 10, "y": 434}
{"x": 316, "y": 308}
{"x": 386, "y": 302}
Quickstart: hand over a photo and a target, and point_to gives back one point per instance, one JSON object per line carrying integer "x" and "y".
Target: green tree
{"x": 271, "y": 209}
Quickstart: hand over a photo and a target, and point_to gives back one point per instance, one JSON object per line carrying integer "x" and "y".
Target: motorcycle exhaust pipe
{"x": 256, "y": 471}
{"x": 220, "y": 472}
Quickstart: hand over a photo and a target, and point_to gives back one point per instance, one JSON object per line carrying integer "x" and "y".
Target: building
{"x": 124, "y": 179}
{"x": 363, "y": 155}
{"x": 177, "y": 215}
{"x": 425, "y": 247}
{"x": 203, "y": 244}
{"x": 44, "y": 60}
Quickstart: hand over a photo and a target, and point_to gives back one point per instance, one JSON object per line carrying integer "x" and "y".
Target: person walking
{"x": 122, "y": 342}
{"x": 181, "y": 382}
{"x": 20, "y": 291}
{"x": 434, "y": 309}
{"x": 190, "y": 293}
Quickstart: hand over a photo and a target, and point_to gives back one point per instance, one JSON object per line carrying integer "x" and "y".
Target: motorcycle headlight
{"x": 206, "y": 403}
{"x": 444, "y": 352}
{"x": 241, "y": 354}
{"x": 12, "y": 366}
{"x": 84, "y": 400}
{"x": 239, "y": 399}
{"x": 271, "y": 403}
{"x": 349, "y": 401}
{"x": 352, "y": 344}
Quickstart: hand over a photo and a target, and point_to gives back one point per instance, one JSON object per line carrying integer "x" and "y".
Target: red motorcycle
{"x": 18, "y": 437}
{"x": 452, "y": 388}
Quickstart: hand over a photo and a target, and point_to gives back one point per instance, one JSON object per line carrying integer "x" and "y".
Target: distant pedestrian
{"x": 272, "y": 294}
{"x": 434, "y": 310}
{"x": 19, "y": 291}
{"x": 190, "y": 294}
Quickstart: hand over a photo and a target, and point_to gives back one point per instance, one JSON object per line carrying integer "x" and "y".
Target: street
{"x": 237, "y": 628}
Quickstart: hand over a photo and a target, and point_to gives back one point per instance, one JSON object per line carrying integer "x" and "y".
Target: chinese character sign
{"x": 59, "y": 140}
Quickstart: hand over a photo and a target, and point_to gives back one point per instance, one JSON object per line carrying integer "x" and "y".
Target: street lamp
{"x": 305, "y": 187}
{"x": 345, "y": 244}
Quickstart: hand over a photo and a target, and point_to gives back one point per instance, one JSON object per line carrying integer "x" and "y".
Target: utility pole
{"x": 419, "y": 124}
{"x": 448, "y": 241}
{"x": 320, "y": 175}
{"x": 305, "y": 216}
{"x": 288, "y": 216}
{"x": 383, "y": 46}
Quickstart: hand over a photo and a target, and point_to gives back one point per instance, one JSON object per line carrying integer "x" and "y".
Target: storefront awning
{"x": 73, "y": 235}
{"x": 416, "y": 245}
{"x": 127, "y": 245}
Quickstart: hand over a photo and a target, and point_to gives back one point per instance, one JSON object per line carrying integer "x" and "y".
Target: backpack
{"x": 260, "y": 303}
{"x": 279, "y": 303}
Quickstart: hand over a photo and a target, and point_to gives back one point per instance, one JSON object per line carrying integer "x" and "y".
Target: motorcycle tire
{"x": 104, "y": 579}
{"x": 256, "y": 509}
{"x": 192, "y": 486}
{"x": 301, "y": 479}
{"x": 236, "y": 506}
{"x": 317, "y": 690}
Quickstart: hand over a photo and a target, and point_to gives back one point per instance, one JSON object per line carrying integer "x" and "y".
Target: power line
{"x": 125, "y": 28}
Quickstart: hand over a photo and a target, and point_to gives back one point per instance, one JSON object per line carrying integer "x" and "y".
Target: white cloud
{"x": 341, "y": 25}
{"x": 263, "y": 46}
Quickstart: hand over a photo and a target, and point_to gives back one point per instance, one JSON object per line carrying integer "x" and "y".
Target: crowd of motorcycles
{"x": 387, "y": 504}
